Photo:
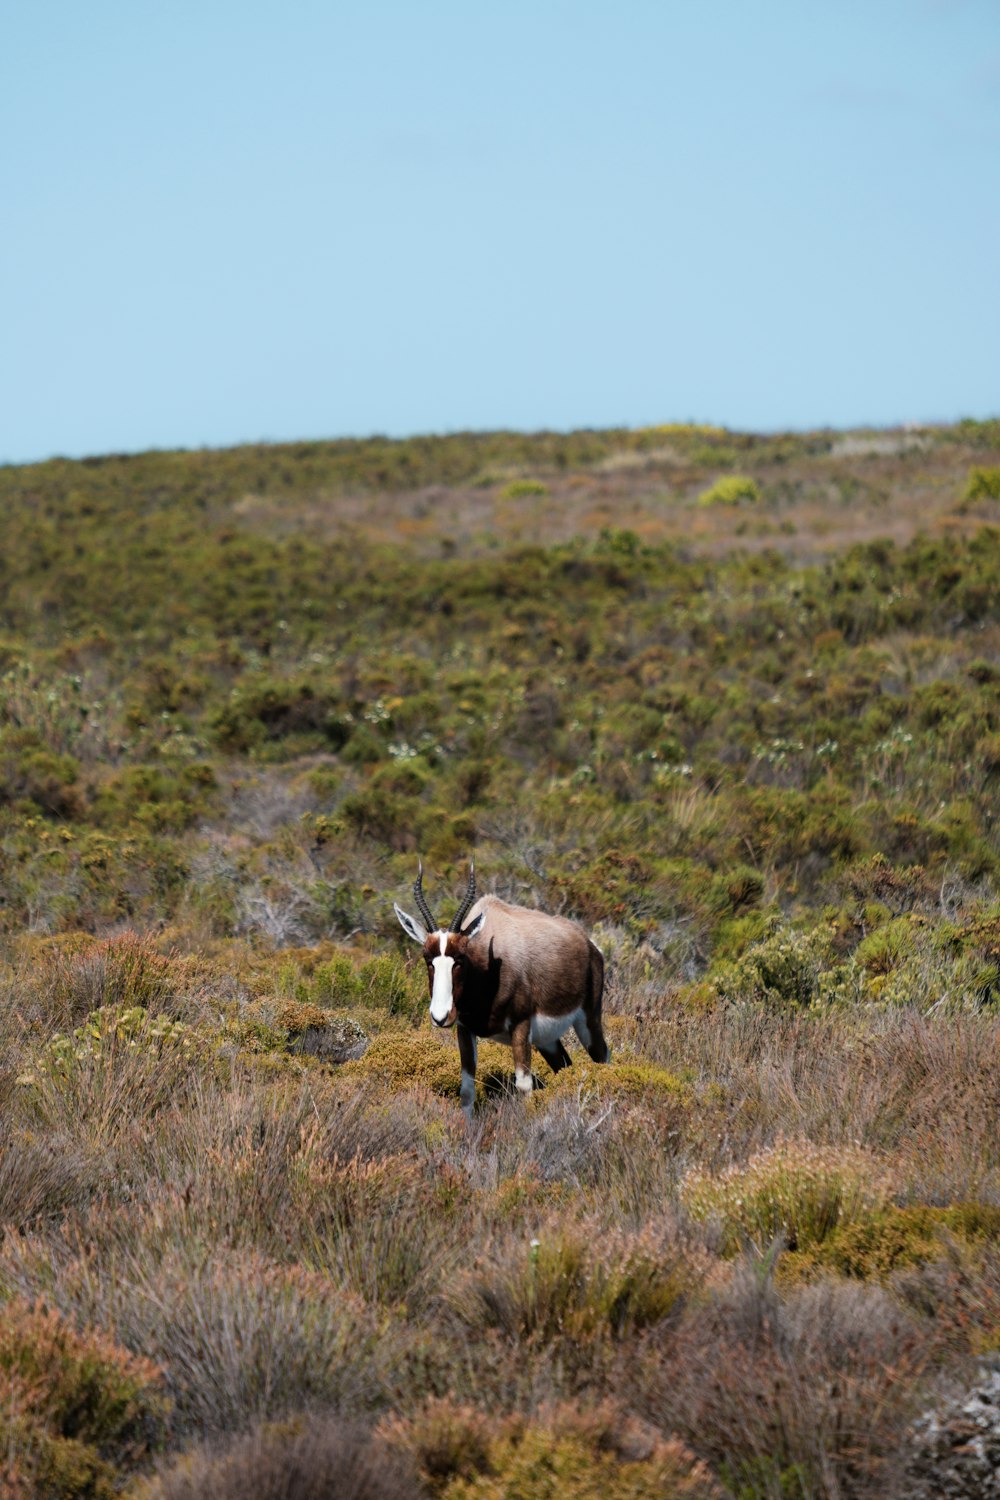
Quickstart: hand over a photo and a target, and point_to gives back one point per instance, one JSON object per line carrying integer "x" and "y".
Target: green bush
{"x": 270, "y": 1026}
{"x": 983, "y": 484}
{"x": 560, "y": 1287}
{"x": 385, "y": 982}
{"x": 887, "y": 948}
{"x": 156, "y": 797}
{"x": 563, "y": 1454}
{"x": 264, "y": 709}
{"x": 519, "y": 489}
{"x": 731, "y": 489}
{"x": 333, "y": 982}
{"x": 404, "y": 1059}
{"x": 784, "y": 968}
{"x": 794, "y": 1189}
{"x": 41, "y": 779}
{"x": 875, "y": 1245}
{"x": 622, "y": 1079}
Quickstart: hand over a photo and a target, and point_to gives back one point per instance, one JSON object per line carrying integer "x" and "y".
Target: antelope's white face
{"x": 441, "y": 965}
{"x": 447, "y": 960}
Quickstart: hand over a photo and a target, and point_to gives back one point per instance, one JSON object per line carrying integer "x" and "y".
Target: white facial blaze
{"x": 441, "y": 996}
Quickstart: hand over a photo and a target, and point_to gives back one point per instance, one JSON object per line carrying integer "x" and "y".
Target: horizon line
{"x": 442, "y": 435}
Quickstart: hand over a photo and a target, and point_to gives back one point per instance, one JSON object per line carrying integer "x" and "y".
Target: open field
{"x": 731, "y": 701}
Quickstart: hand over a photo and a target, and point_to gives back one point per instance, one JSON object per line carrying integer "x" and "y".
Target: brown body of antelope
{"x": 513, "y": 975}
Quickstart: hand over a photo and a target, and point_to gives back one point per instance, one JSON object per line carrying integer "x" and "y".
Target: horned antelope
{"x": 513, "y": 975}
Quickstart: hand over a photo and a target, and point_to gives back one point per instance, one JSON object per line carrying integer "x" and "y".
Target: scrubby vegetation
{"x": 731, "y": 489}
{"x": 734, "y": 702}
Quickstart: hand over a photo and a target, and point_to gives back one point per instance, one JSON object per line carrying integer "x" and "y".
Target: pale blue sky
{"x": 229, "y": 222}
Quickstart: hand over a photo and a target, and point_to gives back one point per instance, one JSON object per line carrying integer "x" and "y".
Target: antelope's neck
{"x": 478, "y": 1010}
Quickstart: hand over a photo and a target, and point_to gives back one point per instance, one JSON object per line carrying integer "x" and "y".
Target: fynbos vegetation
{"x": 730, "y": 703}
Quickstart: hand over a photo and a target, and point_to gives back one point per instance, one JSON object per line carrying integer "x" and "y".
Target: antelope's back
{"x": 550, "y": 956}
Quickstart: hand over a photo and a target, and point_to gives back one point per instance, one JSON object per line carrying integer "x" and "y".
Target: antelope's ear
{"x": 410, "y": 925}
{"x": 475, "y": 926}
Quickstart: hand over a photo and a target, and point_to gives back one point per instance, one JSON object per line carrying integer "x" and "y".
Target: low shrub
{"x": 804, "y": 1395}
{"x": 521, "y": 489}
{"x": 700, "y": 997}
{"x": 272, "y": 1025}
{"x": 120, "y": 1066}
{"x": 783, "y": 969}
{"x": 899, "y": 889}
{"x": 907, "y": 961}
{"x": 38, "y": 779}
{"x": 74, "y": 975}
{"x": 402, "y": 1059}
{"x": 959, "y": 1292}
{"x": 887, "y": 947}
{"x": 983, "y": 483}
{"x": 77, "y": 1406}
{"x": 241, "y": 1337}
{"x": 562, "y": 1454}
{"x": 311, "y": 1457}
{"x": 238, "y": 1337}
{"x": 385, "y": 1230}
{"x": 386, "y": 982}
{"x": 332, "y": 982}
{"x": 874, "y": 1246}
{"x": 731, "y": 489}
{"x": 161, "y": 798}
{"x": 794, "y": 1190}
{"x": 264, "y": 709}
{"x": 42, "y": 1177}
{"x": 626, "y": 1080}
{"x": 570, "y": 1285}
{"x": 382, "y": 982}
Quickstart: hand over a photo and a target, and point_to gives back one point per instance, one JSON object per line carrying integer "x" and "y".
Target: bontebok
{"x": 513, "y": 975}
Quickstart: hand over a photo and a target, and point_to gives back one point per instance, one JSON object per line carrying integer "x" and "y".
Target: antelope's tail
{"x": 597, "y": 1046}
{"x": 595, "y": 982}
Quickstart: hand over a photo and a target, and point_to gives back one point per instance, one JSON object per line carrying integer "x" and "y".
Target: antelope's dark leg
{"x": 468, "y": 1052}
{"x": 557, "y": 1057}
{"x": 520, "y": 1045}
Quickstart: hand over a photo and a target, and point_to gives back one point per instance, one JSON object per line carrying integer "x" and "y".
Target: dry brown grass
{"x": 281, "y": 1242}
{"x": 916, "y": 1087}
{"x": 311, "y": 1457}
{"x": 808, "y": 1395}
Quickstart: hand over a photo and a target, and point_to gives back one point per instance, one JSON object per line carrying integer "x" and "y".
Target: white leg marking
{"x": 581, "y": 1028}
{"x": 522, "y": 1080}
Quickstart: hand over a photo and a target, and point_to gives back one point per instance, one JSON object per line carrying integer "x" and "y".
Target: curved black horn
{"x": 470, "y": 896}
{"x": 418, "y": 896}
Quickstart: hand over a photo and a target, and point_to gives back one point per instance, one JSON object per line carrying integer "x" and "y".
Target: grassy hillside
{"x": 732, "y": 701}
